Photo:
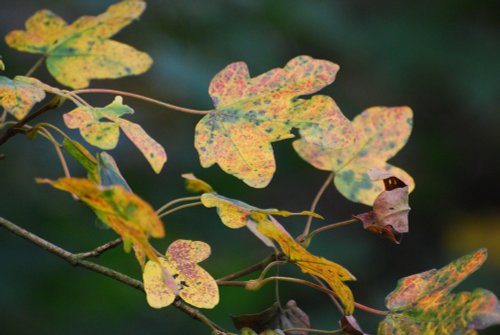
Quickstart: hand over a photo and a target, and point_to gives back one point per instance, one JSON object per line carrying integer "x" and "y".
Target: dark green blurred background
{"x": 439, "y": 57}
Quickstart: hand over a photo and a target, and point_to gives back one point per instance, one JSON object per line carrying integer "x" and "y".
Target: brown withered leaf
{"x": 389, "y": 216}
{"x": 274, "y": 317}
{"x": 350, "y": 326}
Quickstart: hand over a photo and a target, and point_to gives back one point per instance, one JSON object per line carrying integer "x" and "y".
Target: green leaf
{"x": 82, "y": 156}
{"x": 105, "y": 134}
{"x": 251, "y": 113}
{"x": 17, "y": 96}
{"x": 381, "y": 133}
{"x": 422, "y": 303}
{"x": 82, "y": 51}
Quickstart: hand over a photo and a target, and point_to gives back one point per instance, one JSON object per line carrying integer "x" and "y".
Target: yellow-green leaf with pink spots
{"x": 194, "y": 285}
{"x": 422, "y": 303}
{"x": 17, "y": 96}
{"x": 105, "y": 134}
{"x": 83, "y": 50}
{"x": 380, "y": 133}
{"x": 251, "y": 113}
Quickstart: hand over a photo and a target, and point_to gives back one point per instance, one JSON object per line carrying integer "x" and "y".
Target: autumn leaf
{"x": 275, "y": 317}
{"x": 381, "y": 133}
{"x": 350, "y": 326}
{"x": 126, "y": 213}
{"x": 236, "y": 214}
{"x": 195, "y": 185}
{"x": 389, "y": 216}
{"x": 195, "y": 285}
{"x": 82, "y": 51}
{"x": 422, "y": 303}
{"x": 333, "y": 273}
{"x": 251, "y": 113}
{"x": 17, "y": 96}
{"x": 105, "y": 134}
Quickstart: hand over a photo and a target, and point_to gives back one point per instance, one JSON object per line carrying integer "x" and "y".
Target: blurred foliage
{"x": 439, "y": 57}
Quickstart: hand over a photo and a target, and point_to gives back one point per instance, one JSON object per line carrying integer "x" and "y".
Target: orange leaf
{"x": 17, "y": 96}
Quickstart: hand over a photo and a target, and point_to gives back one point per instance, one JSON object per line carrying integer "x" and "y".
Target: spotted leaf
{"x": 381, "y": 133}
{"x": 105, "y": 134}
{"x": 82, "y": 51}
{"x": 126, "y": 213}
{"x": 333, "y": 273}
{"x": 195, "y": 285}
{"x": 251, "y": 113}
{"x": 422, "y": 303}
{"x": 17, "y": 96}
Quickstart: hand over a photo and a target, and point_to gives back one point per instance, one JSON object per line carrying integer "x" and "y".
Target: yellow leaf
{"x": 126, "y": 213}
{"x": 381, "y": 133}
{"x": 333, "y": 273}
{"x": 251, "y": 113}
{"x": 82, "y": 50}
{"x": 195, "y": 285}
{"x": 235, "y": 214}
{"x": 17, "y": 96}
{"x": 105, "y": 135}
{"x": 193, "y": 184}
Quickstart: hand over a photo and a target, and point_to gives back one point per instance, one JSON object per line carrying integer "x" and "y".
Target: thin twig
{"x": 144, "y": 98}
{"x": 178, "y": 208}
{"x": 318, "y": 196}
{"x": 175, "y": 201}
{"x": 75, "y": 260}
{"x": 100, "y": 249}
{"x": 330, "y": 226}
{"x": 251, "y": 269}
{"x": 35, "y": 66}
{"x": 15, "y": 128}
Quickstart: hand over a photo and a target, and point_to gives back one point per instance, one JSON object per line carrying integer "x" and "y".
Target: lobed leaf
{"x": 251, "y": 113}
{"x": 82, "y": 51}
{"x": 105, "y": 134}
{"x": 422, "y": 303}
{"x": 333, "y": 273}
{"x": 195, "y": 285}
{"x": 126, "y": 213}
{"x": 381, "y": 133}
{"x": 236, "y": 214}
{"x": 17, "y": 96}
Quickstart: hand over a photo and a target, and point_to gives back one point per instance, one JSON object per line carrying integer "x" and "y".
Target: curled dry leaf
{"x": 251, "y": 113}
{"x": 126, "y": 213}
{"x": 275, "y": 317}
{"x": 83, "y": 50}
{"x": 422, "y": 303}
{"x": 333, "y": 273}
{"x": 350, "y": 326}
{"x": 389, "y": 216}
{"x": 381, "y": 133}
{"x": 194, "y": 285}
{"x": 105, "y": 134}
{"x": 17, "y": 96}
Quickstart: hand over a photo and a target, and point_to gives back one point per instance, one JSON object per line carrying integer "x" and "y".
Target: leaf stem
{"x": 175, "y": 201}
{"x": 58, "y": 151}
{"x": 251, "y": 269}
{"x": 330, "y": 226}
{"x": 144, "y": 98}
{"x": 178, "y": 208}
{"x": 35, "y": 66}
{"x": 75, "y": 260}
{"x": 315, "y": 202}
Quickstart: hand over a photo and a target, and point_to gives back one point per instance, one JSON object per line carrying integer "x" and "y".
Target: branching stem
{"x": 178, "y": 208}
{"x": 330, "y": 226}
{"x": 144, "y": 98}
{"x": 315, "y": 202}
{"x": 251, "y": 269}
{"x": 175, "y": 201}
{"x": 100, "y": 249}
{"x": 76, "y": 260}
